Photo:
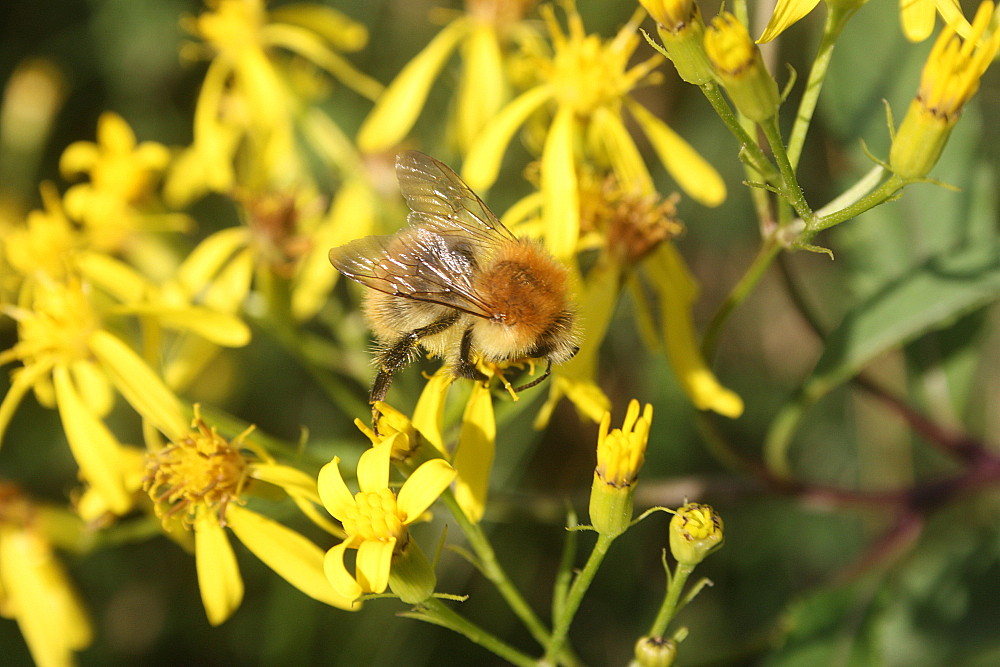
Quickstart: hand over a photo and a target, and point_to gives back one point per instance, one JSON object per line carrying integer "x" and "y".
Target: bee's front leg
{"x": 465, "y": 367}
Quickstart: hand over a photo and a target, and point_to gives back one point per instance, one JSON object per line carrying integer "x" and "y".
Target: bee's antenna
{"x": 538, "y": 380}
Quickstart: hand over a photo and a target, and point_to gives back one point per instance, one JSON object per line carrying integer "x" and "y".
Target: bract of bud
{"x": 412, "y": 576}
{"x": 740, "y": 68}
{"x": 655, "y": 652}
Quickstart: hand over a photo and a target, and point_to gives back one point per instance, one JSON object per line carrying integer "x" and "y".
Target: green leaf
{"x": 928, "y": 298}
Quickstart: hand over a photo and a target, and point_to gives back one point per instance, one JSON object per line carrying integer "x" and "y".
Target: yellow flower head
{"x": 955, "y": 66}
{"x": 695, "y": 532}
{"x": 621, "y": 452}
{"x": 950, "y": 78}
{"x": 376, "y": 518}
{"x": 620, "y": 455}
{"x": 197, "y": 473}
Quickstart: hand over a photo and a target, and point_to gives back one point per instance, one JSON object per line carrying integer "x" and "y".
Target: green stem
{"x": 438, "y": 613}
{"x": 575, "y": 596}
{"x": 790, "y": 188}
{"x": 491, "y": 569}
{"x": 768, "y": 251}
{"x": 836, "y": 19}
{"x": 757, "y": 157}
{"x": 885, "y": 192}
{"x": 675, "y": 586}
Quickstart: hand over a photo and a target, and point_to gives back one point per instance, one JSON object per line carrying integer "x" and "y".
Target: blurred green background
{"x": 782, "y": 595}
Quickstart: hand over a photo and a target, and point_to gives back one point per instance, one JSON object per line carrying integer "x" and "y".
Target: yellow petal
{"x": 297, "y": 560}
{"x": 113, "y": 276}
{"x": 336, "y": 28}
{"x": 917, "y": 17}
{"x": 78, "y": 158}
{"x": 676, "y": 290}
{"x": 606, "y": 128}
{"x": 785, "y": 14}
{"x": 397, "y": 108}
{"x": 337, "y": 498}
{"x": 482, "y": 164}
{"x": 114, "y": 133}
{"x": 304, "y": 43}
{"x": 338, "y": 576}
{"x": 39, "y": 595}
{"x": 218, "y": 573}
{"x": 215, "y": 327}
{"x": 474, "y": 456}
{"x": 428, "y": 416}
{"x": 94, "y": 447}
{"x": 482, "y": 85}
{"x": 140, "y": 386}
{"x": 559, "y": 188}
{"x": 373, "y": 564}
{"x": 208, "y": 258}
{"x": 423, "y": 487}
{"x": 692, "y": 172}
{"x": 373, "y": 466}
{"x": 21, "y": 382}
{"x": 95, "y": 390}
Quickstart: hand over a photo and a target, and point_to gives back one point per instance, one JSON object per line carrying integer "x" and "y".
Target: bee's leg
{"x": 465, "y": 368}
{"x": 399, "y": 353}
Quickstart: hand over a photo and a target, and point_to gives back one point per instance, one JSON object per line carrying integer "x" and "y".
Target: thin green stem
{"x": 438, "y": 613}
{"x": 492, "y": 570}
{"x": 885, "y": 192}
{"x": 768, "y": 251}
{"x": 575, "y": 596}
{"x": 791, "y": 189}
{"x": 669, "y": 608}
{"x": 836, "y": 19}
{"x": 756, "y": 156}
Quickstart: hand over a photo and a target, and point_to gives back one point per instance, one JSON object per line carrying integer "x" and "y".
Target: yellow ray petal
{"x": 373, "y": 564}
{"x": 423, "y": 487}
{"x": 337, "y": 498}
{"x": 338, "y": 576}
{"x": 218, "y": 573}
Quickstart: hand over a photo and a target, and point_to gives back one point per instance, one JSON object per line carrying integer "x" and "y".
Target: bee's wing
{"x": 442, "y": 201}
{"x": 417, "y": 263}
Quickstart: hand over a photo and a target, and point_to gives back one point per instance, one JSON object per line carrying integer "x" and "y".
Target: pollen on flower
{"x": 633, "y": 223}
{"x": 201, "y": 469}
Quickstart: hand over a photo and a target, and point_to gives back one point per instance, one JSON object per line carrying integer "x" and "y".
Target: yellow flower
{"x": 200, "y": 482}
{"x": 376, "y": 519}
{"x": 584, "y": 85}
{"x": 620, "y": 455}
{"x": 482, "y": 36}
{"x": 122, "y": 177}
{"x": 950, "y": 78}
{"x": 34, "y": 588}
{"x": 695, "y": 532}
{"x": 248, "y": 100}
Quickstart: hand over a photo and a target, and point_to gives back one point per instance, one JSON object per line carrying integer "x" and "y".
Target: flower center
{"x": 200, "y": 470}
{"x": 375, "y": 516}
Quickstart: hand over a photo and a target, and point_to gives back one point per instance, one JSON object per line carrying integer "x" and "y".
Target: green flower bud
{"x": 740, "y": 69}
{"x": 695, "y": 532}
{"x": 655, "y": 652}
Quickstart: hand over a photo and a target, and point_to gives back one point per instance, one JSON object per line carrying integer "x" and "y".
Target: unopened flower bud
{"x": 695, "y": 532}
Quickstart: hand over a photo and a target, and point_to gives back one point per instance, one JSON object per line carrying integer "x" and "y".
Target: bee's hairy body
{"x": 457, "y": 283}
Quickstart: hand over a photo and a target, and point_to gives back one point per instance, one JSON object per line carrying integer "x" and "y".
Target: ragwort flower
{"x": 584, "y": 84}
{"x": 200, "y": 482}
{"x": 376, "y": 519}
